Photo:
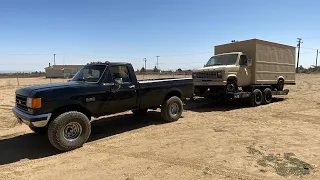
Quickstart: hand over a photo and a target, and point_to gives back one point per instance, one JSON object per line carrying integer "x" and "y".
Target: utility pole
{"x": 54, "y": 59}
{"x": 145, "y": 63}
{"x": 299, "y": 44}
{"x": 158, "y": 62}
{"x": 317, "y": 58}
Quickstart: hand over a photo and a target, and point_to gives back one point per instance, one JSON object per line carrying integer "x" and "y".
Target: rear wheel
{"x": 267, "y": 96}
{"x": 256, "y": 98}
{"x": 39, "y": 130}
{"x": 171, "y": 109}
{"x": 140, "y": 112}
{"x": 280, "y": 85}
{"x": 69, "y": 131}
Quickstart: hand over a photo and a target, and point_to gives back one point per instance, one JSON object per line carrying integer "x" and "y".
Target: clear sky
{"x": 182, "y": 32}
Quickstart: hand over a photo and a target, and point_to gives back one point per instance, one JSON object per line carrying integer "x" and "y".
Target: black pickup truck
{"x": 64, "y": 110}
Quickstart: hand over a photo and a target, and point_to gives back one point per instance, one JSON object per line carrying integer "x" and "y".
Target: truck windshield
{"x": 89, "y": 73}
{"x": 227, "y": 59}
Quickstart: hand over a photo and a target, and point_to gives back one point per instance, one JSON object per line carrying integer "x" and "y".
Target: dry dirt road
{"x": 211, "y": 141}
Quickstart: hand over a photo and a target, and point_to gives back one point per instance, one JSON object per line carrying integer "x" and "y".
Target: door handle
{"x": 132, "y": 86}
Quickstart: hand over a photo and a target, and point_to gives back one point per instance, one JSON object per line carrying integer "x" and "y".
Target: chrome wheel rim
{"x": 174, "y": 109}
{"x": 72, "y": 131}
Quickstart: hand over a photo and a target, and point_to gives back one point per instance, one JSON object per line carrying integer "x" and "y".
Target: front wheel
{"x": 69, "y": 131}
{"x": 171, "y": 109}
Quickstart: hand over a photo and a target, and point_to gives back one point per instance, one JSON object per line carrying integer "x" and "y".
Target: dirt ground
{"x": 212, "y": 141}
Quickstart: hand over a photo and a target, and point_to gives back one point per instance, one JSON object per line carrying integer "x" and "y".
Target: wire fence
{"x": 29, "y": 81}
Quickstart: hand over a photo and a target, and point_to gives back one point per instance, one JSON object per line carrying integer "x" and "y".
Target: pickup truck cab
{"x": 64, "y": 110}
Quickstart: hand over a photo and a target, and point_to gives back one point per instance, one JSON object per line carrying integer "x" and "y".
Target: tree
{"x": 179, "y": 70}
{"x": 143, "y": 69}
{"x": 155, "y": 69}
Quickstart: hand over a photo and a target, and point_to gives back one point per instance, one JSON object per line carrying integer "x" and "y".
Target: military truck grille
{"x": 206, "y": 75}
{"x": 21, "y": 103}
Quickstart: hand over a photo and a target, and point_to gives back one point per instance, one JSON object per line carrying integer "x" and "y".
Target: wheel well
{"x": 232, "y": 79}
{"x": 67, "y": 108}
{"x": 173, "y": 93}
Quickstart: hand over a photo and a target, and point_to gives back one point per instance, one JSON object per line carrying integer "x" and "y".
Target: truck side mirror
{"x": 118, "y": 81}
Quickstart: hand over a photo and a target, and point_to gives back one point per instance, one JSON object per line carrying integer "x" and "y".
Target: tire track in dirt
{"x": 190, "y": 163}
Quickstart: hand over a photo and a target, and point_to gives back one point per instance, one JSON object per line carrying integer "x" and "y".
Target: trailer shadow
{"x": 209, "y": 105}
{"x": 14, "y": 148}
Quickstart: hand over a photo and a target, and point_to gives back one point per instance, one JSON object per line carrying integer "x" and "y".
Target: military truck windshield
{"x": 227, "y": 59}
{"x": 89, "y": 73}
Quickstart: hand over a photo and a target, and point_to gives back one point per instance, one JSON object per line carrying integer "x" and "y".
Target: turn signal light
{"x": 34, "y": 103}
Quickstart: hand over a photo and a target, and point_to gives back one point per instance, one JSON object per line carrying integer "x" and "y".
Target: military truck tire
{"x": 69, "y": 130}
{"x": 280, "y": 85}
{"x": 231, "y": 85}
{"x": 267, "y": 96}
{"x": 256, "y": 98}
{"x": 39, "y": 130}
{"x": 140, "y": 112}
{"x": 171, "y": 109}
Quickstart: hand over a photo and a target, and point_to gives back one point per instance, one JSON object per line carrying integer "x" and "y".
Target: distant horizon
{"x": 182, "y": 32}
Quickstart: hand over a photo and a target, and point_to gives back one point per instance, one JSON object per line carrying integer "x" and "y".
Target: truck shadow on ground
{"x": 14, "y": 148}
{"x": 209, "y": 105}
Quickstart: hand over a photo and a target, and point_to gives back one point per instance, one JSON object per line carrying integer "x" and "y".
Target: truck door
{"x": 244, "y": 77}
{"x": 124, "y": 94}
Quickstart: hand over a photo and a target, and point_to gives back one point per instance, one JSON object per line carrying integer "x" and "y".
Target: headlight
{"x": 219, "y": 74}
{"x": 34, "y": 103}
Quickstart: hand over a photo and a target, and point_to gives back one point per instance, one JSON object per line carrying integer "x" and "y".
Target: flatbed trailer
{"x": 258, "y": 95}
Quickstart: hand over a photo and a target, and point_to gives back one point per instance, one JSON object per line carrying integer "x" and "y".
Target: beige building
{"x": 62, "y": 71}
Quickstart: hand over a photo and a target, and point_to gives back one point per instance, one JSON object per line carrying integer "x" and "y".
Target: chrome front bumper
{"x": 31, "y": 120}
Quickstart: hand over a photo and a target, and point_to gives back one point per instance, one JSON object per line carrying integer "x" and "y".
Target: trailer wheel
{"x": 69, "y": 131}
{"x": 171, "y": 109}
{"x": 267, "y": 96}
{"x": 140, "y": 112}
{"x": 256, "y": 98}
{"x": 280, "y": 85}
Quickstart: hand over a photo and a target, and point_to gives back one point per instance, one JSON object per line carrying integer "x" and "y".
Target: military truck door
{"x": 244, "y": 76}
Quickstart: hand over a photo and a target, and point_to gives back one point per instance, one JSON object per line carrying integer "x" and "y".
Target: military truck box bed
{"x": 269, "y": 60}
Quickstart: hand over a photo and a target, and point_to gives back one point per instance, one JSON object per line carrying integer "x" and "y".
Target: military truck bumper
{"x": 209, "y": 82}
{"x": 31, "y": 120}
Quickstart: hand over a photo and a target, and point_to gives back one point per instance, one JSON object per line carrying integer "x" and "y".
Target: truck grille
{"x": 205, "y": 75}
{"x": 21, "y": 103}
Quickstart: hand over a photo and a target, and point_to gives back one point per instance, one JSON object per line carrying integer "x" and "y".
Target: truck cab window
{"x": 243, "y": 60}
{"x": 120, "y": 72}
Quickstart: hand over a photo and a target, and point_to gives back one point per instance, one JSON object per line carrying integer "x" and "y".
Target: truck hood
{"x": 214, "y": 68}
{"x": 32, "y": 91}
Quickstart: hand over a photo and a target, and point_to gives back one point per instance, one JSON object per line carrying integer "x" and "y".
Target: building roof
{"x": 65, "y": 66}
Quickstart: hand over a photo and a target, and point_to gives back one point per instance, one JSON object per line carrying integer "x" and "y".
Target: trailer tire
{"x": 69, "y": 130}
{"x": 256, "y": 98}
{"x": 140, "y": 112}
{"x": 171, "y": 109}
{"x": 267, "y": 96}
